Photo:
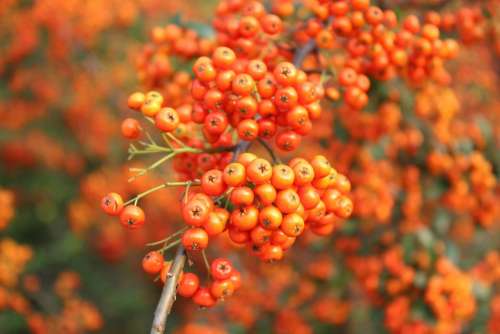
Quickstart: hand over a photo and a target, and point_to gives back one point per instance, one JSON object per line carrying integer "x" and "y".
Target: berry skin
{"x": 242, "y": 196}
{"x": 248, "y": 129}
{"x": 221, "y": 269}
{"x": 292, "y": 225}
{"x": 112, "y": 204}
{"x": 132, "y": 217}
{"x": 167, "y": 119}
{"x": 288, "y": 140}
{"x": 321, "y": 166}
{"x": 330, "y": 198}
{"x": 266, "y": 193}
{"x": 243, "y": 84}
{"x": 344, "y": 207}
{"x": 216, "y": 122}
{"x": 203, "y": 298}
{"x": 131, "y": 128}
{"x": 304, "y": 173}
{"x": 136, "y": 100}
{"x": 287, "y": 201}
{"x": 221, "y": 289}
{"x": 309, "y": 197}
{"x": 152, "y": 263}
{"x": 195, "y": 239}
{"x": 246, "y": 158}
{"x": 212, "y": 184}
{"x": 195, "y": 213}
{"x": 260, "y": 235}
{"x": 245, "y": 218}
{"x": 271, "y": 24}
{"x": 286, "y": 98}
{"x": 283, "y": 177}
{"x": 236, "y": 279}
{"x": 237, "y": 236}
{"x": 271, "y": 253}
{"x": 270, "y": 217}
{"x": 259, "y": 171}
{"x": 285, "y": 73}
{"x": 234, "y": 174}
{"x": 223, "y": 57}
{"x": 215, "y": 224}
{"x": 188, "y": 285}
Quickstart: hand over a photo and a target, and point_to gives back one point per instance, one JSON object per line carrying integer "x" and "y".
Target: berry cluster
{"x": 152, "y": 105}
{"x": 248, "y": 29}
{"x": 131, "y": 216}
{"x": 225, "y": 279}
{"x": 258, "y": 102}
{"x": 169, "y": 44}
{"x": 377, "y": 47}
{"x": 269, "y": 206}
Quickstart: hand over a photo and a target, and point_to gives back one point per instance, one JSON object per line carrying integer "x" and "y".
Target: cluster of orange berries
{"x": 166, "y": 119}
{"x": 450, "y": 294}
{"x": 248, "y": 28}
{"x": 76, "y": 315}
{"x": 155, "y": 63}
{"x": 131, "y": 216}
{"x": 225, "y": 279}
{"x": 13, "y": 259}
{"x": 151, "y": 105}
{"x": 376, "y": 48}
{"x": 191, "y": 166}
{"x": 254, "y": 100}
{"x": 271, "y": 205}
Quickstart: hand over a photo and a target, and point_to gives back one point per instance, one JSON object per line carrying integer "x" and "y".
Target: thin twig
{"x": 161, "y": 186}
{"x": 270, "y": 150}
{"x": 207, "y": 264}
{"x": 302, "y": 52}
{"x": 167, "y": 239}
{"x": 168, "y": 293}
{"x": 169, "y": 245}
{"x": 241, "y": 147}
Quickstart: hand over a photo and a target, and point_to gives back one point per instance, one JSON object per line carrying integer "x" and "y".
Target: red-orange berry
{"x": 132, "y": 217}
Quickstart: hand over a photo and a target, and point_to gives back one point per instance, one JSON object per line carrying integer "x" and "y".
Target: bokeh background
{"x": 66, "y": 69}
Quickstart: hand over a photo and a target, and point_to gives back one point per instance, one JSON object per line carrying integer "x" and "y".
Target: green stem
{"x": 170, "y": 245}
{"x": 161, "y": 186}
{"x": 167, "y": 239}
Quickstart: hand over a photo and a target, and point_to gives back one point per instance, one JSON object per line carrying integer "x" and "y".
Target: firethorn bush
{"x": 270, "y": 166}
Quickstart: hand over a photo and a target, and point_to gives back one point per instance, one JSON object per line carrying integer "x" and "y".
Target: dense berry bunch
{"x": 271, "y": 205}
{"x": 169, "y": 44}
{"x": 248, "y": 28}
{"x": 257, "y": 101}
{"x": 377, "y": 47}
{"x": 225, "y": 279}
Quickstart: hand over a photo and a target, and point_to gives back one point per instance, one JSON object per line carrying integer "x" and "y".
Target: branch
{"x": 241, "y": 147}
{"x": 169, "y": 292}
{"x": 302, "y": 52}
{"x": 271, "y": 152}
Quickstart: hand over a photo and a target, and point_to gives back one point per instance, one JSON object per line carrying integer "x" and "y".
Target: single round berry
{"x": 132, "y": 217}
{"x": 152, "y": 263}
{"x": 112, "y": 204}
{"x": 221, "y": 269}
